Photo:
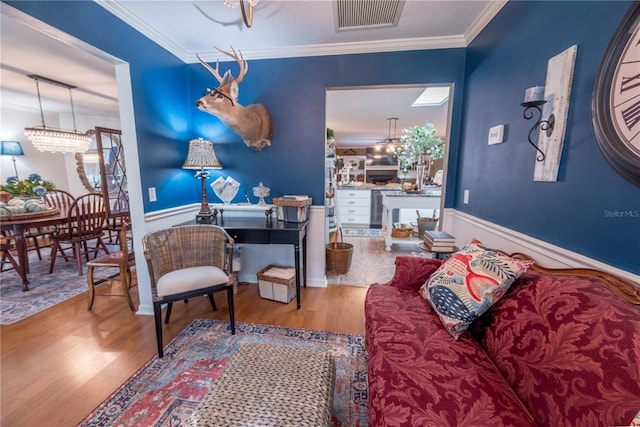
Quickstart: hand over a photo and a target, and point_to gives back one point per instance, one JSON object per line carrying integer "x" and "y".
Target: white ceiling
{"x": 280, "y": 29}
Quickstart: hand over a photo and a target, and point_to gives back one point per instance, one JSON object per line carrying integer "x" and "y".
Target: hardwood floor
{"x": 58, "y": 365}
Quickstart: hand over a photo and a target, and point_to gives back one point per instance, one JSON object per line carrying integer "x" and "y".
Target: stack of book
{"x": 439, "y": 241}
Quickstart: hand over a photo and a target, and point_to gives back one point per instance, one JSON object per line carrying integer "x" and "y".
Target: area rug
{"x": 165, "y": 392}
{"x": 362, "y": 232}
{"x": 45, "y": 290}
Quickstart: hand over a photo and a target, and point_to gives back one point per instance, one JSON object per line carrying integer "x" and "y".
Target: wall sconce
{"x": 202, "y": 156}
{"x": 13, "y": 149}
{"x": 534, "y": 100}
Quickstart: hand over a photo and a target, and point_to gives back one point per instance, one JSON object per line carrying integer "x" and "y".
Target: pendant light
{"x": 56, "y": 140}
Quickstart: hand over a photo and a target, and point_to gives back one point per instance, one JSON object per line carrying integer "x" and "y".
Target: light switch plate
{"x": 496, "y": 134}
{"x": 152, "y": 194}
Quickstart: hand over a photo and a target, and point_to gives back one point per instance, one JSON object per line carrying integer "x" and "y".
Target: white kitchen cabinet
{"x": 354, "y": 207}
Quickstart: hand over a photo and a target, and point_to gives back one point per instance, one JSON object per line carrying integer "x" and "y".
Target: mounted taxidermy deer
{"x": 252, "y": 123}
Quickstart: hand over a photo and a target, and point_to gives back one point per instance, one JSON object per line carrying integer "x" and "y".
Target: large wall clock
{"x": 616, "y": 99}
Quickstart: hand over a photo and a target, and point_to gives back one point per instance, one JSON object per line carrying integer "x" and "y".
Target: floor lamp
{"x": 13, "y": 149}
{"x": 202, "y": 156}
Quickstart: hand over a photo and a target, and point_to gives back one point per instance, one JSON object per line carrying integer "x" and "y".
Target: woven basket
{"x": 339, "y": 255}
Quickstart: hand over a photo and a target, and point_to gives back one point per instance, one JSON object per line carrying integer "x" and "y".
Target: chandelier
{"x": 56, "y": 140}
{"x": 389, "y": 143}
{"x": 248, "y": 18}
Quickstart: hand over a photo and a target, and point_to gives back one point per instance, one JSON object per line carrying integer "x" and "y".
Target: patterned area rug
{"x": 165, "y": 392}
{"x": 362, "y": 232}
{"x": 45, "y": 290}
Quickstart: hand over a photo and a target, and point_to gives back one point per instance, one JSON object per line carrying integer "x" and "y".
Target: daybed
{"x": 559, "y": 348}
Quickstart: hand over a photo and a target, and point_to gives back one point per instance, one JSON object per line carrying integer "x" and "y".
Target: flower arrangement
{"x": 419, "y": 141}
{"x": 33, "y": 186}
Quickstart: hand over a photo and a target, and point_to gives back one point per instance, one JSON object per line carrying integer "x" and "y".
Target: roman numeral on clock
{"x": 631, "y": 115}
{"x": 630, "y": 82}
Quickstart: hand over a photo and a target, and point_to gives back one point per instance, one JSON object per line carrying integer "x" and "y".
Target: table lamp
{"x": 202, "y": 156}
{"x": 13, "y": 149}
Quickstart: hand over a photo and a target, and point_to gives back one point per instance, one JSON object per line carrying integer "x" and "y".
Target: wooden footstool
{"x": 271, "y": 385}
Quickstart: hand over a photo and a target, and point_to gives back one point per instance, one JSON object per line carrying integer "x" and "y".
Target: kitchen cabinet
{"x": 354, "y": 206}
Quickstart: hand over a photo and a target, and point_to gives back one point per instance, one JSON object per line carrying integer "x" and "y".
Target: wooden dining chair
{"x": 6, "y": 245}
{"x": 85, "y": 220}
{"x": 55, "y": 198}
{"x": 60, "y": 199}
{"x": 185, "y": 262}
{"x": 122, "y": 262}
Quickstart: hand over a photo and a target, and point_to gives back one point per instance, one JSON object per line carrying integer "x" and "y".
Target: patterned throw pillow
{"x": 470, "y": 282}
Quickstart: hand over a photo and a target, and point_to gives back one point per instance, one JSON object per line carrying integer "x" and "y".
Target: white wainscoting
{"x": 465, "y": 227}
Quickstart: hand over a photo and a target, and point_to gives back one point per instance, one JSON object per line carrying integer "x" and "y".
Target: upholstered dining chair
{"x": 122, "y": 262}
{"x": 85, "y": 219}
{"x": 188, "y": 261}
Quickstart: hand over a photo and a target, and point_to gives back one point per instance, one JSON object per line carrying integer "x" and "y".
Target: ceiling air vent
{"x": 357, "y": 14}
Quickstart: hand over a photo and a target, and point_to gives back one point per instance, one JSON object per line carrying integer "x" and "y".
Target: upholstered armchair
{"x": 188, "y": 261}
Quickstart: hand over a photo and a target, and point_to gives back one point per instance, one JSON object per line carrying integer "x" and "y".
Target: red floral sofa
{"x": 560, "y": 348}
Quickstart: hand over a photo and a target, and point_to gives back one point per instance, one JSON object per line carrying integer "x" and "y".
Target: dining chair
{"x": 60, "y": 199}
{"x": 6, "y": 245}
{"x": 122, "y": 261}
{"x": 188, "y": 261}
{"x": 55, "y": 198}
{"x": 85, "y": 220}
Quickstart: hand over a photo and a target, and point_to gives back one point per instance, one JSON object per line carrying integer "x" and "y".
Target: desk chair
{"x": 122, "y": 261}
{"x": 188, "y": 261}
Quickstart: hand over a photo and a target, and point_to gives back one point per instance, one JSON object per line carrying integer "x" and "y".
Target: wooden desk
{"x": 19, "y": 226}
{"x": 269, "y": 231}
{"x": 400, "y": 200}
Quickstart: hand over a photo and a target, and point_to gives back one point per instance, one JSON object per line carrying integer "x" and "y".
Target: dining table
{"x": 20, "y": 226}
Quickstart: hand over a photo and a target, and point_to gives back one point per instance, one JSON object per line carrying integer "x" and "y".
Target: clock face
{"x": 625, "y": 94}
{"x": 616, "y": 99}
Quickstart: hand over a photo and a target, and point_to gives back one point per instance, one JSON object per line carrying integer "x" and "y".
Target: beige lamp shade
{"x": 201, "y": 155}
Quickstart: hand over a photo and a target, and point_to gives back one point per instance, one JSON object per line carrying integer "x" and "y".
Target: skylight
{"x": 432, "y": 97}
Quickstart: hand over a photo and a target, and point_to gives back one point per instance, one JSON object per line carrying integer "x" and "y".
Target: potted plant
{"x": 33, "y": 186}
{"x": 419, "y": 145}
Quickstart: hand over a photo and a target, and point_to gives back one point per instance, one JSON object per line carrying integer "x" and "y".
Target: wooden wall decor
{"x": 557, "y": 93}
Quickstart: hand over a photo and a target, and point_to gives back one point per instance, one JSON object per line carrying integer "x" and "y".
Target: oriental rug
{"x": 45, "y": 290}
{"x": 165, "y": 392}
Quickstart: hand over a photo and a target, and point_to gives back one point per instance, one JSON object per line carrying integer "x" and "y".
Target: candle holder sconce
{"x": 534, "y": 100}
{"x": 545, "y": 125}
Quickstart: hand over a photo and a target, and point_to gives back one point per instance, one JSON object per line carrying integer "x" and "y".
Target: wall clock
{"x": 615, "y": 107}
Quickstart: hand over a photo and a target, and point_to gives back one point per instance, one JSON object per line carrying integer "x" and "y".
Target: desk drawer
{"x": 250, "y": 236}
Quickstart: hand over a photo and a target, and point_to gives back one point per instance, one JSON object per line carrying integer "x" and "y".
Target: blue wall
{"x": 578, "y": 211}
{"x": 294, "y": 92}
{"x": 509, "y": 56}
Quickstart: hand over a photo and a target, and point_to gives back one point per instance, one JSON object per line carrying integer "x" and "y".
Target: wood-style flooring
{"x": 58, "y": 365}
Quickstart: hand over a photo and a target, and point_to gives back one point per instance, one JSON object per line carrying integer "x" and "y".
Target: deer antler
{"x": 244, "y": 67}
{"x": 214, "y": 71}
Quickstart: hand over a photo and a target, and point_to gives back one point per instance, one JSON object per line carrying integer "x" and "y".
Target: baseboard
{"x": 465, "y": 227}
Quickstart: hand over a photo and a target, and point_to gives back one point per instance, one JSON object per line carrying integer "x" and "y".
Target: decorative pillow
{"x": 470, "y": 282}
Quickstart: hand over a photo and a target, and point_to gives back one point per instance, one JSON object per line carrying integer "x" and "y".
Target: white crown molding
{"x": 485, "y": 17}
{"x": 425, "y": 43}
{"x": 117, "y": 9}
{"x": 341, "y": 48}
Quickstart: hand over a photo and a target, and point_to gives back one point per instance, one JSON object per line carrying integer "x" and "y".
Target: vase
{"x": 421, "y": 170}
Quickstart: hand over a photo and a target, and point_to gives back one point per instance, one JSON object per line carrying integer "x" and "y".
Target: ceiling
{"x": 280, "y": 29}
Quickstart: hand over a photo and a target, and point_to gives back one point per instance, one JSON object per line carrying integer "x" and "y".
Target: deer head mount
{"x": 252, "y": 123}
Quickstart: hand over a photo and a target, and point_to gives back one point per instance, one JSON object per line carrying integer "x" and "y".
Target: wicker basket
{"x": 339, "y": 255}
{"x": 402, "y": 232}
